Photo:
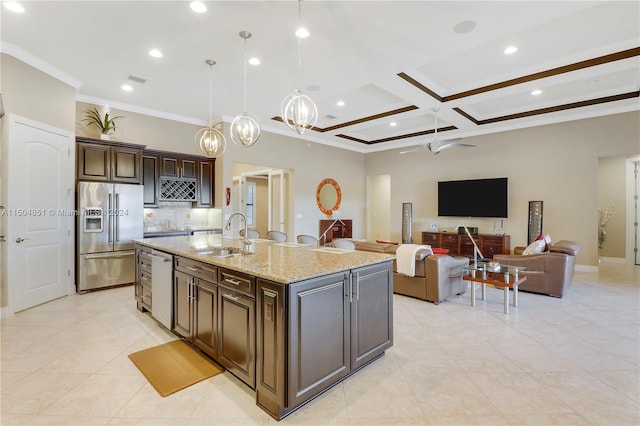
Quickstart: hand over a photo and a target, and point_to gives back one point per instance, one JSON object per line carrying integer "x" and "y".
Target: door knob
{"x": 19, "y": 240}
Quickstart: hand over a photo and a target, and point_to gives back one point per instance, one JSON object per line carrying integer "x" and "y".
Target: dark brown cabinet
{"x": 236, "y": 325}
{"x": 189, "y": 176}
{"x": 196, "y": 304}
{"x": 150, "y": 175}
{"x": 99, "y": 161}
{"x": 371, "y": 313}
{"x": 178, "y": 166}
{"x": 298, "y": 356}
{"x": 143, "y": 288}
{"x": 461, "y": 245}
{"x": 183, "y": 304}
{"x": 205, "y": 335}
{"x": 206, "y": 193}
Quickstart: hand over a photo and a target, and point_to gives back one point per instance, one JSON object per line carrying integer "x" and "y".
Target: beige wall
{"x": 35, "y": 95}
{"x": 156, "y": 133}
{"x": 556, "y": 163}
{"x": 308, "y": 164}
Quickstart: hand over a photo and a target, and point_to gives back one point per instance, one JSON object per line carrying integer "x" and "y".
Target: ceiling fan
{"x": 436, "y": 145}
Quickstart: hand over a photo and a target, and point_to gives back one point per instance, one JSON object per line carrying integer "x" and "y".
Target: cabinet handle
{"x": 109, "y": 230}
{"x": 269, "y": 293}
{"x": 350, "y": 288}
{"x": 192, "y": 268}
{"x": 232, "y": 281}
{"x": 229, "y": 296}
{"x": 357, "y": 285}
{"x": 117, "y": 219}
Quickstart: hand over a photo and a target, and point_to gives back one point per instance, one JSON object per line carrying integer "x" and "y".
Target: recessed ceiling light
{"x": 340, "y": 103}
{"x": 14, "y": 6}
{"x": 155, "y": 53}
{"x": 464, "y": 27}
{"x": 126, "y": 88}
{"x": 393, "y": 124}
{"x": 198, "y": 7}
{"x": 254, "y": 61}
{"x": 510, "y": 50}
{"x": 536, "y": 92}
{"x": 302, "y": 32}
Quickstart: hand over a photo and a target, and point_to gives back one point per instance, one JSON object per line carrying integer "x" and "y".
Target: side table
{"x": 506, "y": 277}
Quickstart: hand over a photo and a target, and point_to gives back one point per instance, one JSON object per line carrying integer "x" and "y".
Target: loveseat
{"x": 437, "y": 276}
{"x": 549, "y": 272}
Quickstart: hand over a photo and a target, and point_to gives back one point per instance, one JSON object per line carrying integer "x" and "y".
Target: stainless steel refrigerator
{"x": 110, "y": 217}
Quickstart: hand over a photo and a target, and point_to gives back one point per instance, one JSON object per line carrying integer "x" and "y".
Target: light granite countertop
{"x": 280, "y": 262}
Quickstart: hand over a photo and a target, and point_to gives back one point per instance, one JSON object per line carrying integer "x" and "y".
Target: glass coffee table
{"x": 500, "y": 276}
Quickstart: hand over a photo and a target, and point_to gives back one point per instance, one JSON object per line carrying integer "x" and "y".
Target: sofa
{"x": 437, "y": 276}
{"x": 548, "y": 273}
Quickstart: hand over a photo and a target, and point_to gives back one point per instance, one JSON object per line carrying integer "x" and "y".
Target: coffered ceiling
{"x": 388, "y": 61}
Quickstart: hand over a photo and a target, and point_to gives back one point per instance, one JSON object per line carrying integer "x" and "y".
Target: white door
{"x": 276, "y": 201}
{"x": 237, "y": 202}
{"x": 40, "y": 215}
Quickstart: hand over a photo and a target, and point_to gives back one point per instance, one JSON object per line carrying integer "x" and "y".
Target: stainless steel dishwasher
{"x": 162, "y": 287}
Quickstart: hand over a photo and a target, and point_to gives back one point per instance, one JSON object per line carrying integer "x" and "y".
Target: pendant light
{"x": 299, "y": 112}
{"x": 210, "y": 140}
{"x": 245, "y": 128}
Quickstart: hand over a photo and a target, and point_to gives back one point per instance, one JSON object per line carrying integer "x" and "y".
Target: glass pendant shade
{"x": 210, "y": 141}
{"x": 245, "y": 129}
{"x": 299, "y": 112}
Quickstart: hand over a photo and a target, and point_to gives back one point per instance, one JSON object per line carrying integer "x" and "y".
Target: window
{"x": 249, "y": 197}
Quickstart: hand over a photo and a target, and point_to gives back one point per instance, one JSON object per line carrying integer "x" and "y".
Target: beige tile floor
{"x": 570, "y": 361}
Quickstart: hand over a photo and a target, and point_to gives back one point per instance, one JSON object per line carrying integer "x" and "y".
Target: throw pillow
{"x": 546, "y": 239}
{"x": 535, "y": 247}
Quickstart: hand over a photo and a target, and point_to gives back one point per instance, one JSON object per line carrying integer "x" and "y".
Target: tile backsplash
{"x": 180, "y": 215}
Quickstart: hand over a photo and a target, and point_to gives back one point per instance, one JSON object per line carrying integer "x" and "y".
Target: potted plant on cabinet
{"x": 106, "y": 123}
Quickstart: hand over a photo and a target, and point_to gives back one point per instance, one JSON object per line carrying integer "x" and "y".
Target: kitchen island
{"x": 287, "y": 319}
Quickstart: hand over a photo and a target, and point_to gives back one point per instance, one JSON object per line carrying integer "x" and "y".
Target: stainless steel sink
{"x": 222, "y": 252}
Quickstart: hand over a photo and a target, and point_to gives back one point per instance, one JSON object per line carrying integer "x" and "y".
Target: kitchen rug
{"x": 174, "y": 366}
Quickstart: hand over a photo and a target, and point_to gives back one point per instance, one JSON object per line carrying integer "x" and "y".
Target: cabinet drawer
{"x": 144, "y": 261}
{"x": 196, "y": 269}
{"x": 145, "y": 277}
{"x": 146, "y": 296}
{"x": 450, "y": 239}
{"x": 431, "y": 239}
{"x": 238, "y": 281}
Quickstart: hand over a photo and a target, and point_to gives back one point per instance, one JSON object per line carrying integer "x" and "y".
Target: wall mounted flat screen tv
{"x": 473, "y": 198}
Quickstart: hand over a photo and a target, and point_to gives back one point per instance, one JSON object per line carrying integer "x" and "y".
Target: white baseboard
{"x": 586, "y": 268}
{"x": 612, "y": 260}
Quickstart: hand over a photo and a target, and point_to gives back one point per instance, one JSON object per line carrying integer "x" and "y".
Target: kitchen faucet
{"x": 247, "y": 241}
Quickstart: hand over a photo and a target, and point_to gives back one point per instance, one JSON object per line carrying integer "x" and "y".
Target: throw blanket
{"x": 406, "y": 258}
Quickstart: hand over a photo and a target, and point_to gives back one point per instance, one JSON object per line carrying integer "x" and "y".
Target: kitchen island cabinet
{"x": 195, "y": 304}
{"x": 237, "y": 325}
{"x": 292, "y": 321}
{"x": 328, "y": 327}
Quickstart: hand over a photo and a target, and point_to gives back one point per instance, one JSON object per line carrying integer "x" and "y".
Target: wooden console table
{"x": 340, "y": 229}
{"x": 461, "y": 245}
